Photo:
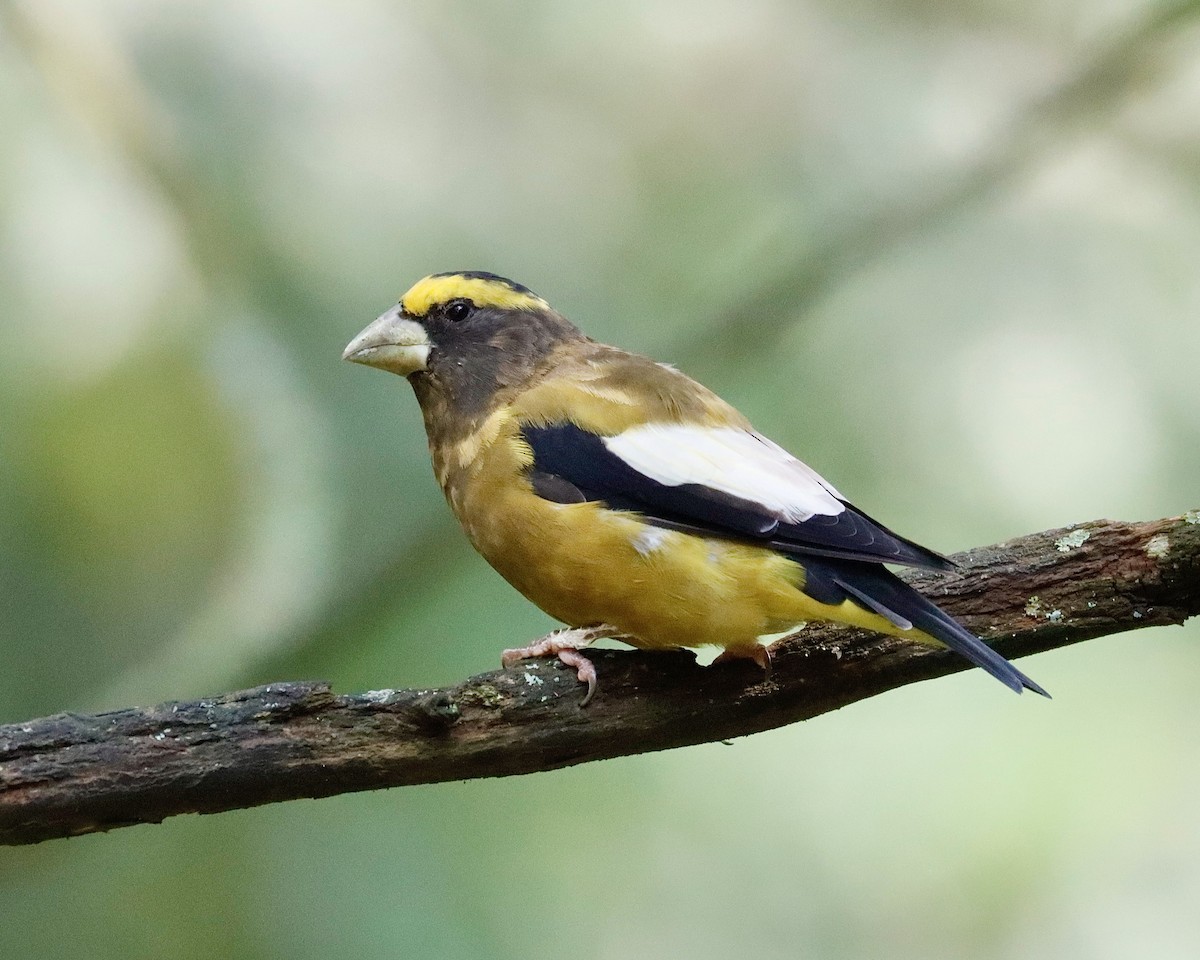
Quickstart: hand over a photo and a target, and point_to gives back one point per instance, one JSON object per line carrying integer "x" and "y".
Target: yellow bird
{"x": 626, "y": 499}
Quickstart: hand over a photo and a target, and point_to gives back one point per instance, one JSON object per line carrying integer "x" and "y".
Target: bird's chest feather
{"x": 485, "y": 478}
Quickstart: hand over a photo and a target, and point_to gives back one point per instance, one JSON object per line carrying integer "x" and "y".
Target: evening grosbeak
{"x": 625, "y": 499}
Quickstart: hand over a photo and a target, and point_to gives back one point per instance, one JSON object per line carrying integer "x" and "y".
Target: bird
{"x": 627, "y": 500}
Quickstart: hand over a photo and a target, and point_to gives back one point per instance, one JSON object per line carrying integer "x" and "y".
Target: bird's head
{"x": 465, "y": 333}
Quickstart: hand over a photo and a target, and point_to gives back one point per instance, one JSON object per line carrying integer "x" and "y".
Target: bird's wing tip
{"x": 1020, "y": 683}
{"x": 1028, "y": 684}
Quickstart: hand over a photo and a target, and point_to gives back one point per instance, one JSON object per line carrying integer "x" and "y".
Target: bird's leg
{"x": 758, "y": 653}
{"x": 565, "y": 644}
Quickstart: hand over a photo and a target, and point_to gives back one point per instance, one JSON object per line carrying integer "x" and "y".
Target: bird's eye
{"x": 459, "y": 309}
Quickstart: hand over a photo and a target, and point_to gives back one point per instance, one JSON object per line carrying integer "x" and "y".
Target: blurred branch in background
{"x": 68, "y": 775}
{"x": 1130, "y": 63}
{"x": 91, "y": 79}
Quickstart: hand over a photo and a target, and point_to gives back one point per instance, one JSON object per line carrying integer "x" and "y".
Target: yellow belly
{"x": 586, "y": 565}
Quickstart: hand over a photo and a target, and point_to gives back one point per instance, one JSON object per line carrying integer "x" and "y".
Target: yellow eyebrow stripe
{"x": 428, "y": 293}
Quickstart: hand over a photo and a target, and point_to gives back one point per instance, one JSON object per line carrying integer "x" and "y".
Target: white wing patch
{"x": 738, "y": 462}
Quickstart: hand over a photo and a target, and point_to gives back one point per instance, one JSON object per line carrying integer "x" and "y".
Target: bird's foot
{"x": 758, "y": 653}
{"x": 565, "y": 644}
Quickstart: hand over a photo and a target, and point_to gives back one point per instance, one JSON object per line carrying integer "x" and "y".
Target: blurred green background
{"x": 946, "y": 252}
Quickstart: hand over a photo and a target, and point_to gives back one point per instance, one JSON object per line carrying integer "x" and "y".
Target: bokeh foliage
{"x": 945, "y": 252}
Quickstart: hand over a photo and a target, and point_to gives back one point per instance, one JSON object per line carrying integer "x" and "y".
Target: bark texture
{"x": 67, "y": 774}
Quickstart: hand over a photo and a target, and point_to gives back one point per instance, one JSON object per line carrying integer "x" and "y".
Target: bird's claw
{"x": 565, "y": 645}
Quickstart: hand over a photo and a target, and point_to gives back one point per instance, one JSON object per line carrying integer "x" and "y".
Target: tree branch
{"x": 68, "y": 774}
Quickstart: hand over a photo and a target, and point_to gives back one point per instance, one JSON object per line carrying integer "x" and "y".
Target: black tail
{"x": 882, "y": 592}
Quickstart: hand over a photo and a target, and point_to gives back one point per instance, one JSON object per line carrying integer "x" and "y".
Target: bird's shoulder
{"x": 606, "y": 390}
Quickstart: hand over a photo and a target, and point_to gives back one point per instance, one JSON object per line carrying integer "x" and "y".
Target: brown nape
{"x": 478, "y": 363}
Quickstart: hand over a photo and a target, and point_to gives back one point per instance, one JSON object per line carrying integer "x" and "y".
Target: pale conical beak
{"x": 393, "y": 343}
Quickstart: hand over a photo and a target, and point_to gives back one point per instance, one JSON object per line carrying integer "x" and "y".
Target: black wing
{"x": 572, "y": 465}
